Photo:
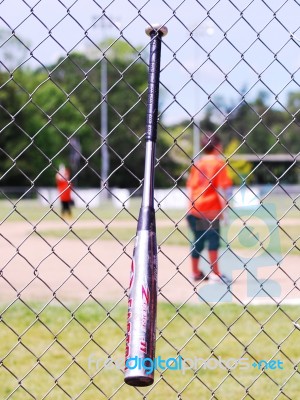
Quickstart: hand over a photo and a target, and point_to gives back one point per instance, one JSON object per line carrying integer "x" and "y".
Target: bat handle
{"x": 148, "y": 187}
{"x": 156, "y": 32}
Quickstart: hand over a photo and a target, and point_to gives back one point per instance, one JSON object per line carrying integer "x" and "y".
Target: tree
{"x": 44, "y": 112}
{"x": 13, "y": 50}
{"x": 257, "y": 127}
{"x": 37, "y": 121}
{"x": 239, "y": 169}
{"x": 79, "y": 77}
{"x": 13, "y": 139}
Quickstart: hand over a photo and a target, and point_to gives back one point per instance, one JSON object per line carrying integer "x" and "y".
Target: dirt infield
{"x": 34, "y": 267}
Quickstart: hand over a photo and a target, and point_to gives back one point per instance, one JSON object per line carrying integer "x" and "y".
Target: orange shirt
{"x": 64, "y": 186}
{"x": 207, "y": 176}
{"x": 64, "y": 190}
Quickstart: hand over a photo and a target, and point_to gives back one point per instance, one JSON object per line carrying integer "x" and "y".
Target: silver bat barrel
{"x": 141, "y": 322}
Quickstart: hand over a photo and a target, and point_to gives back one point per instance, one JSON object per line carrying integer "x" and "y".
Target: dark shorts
{"x": 204, "y": 231}
{"x": 65, "y": 206}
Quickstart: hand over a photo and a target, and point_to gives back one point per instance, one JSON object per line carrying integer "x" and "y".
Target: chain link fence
{"x": 73, "y": 93}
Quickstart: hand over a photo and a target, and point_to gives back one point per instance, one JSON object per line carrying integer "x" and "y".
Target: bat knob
{"x": 156, "y": 28}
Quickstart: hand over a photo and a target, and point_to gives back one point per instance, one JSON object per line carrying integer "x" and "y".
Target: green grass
{"x": 32, "y": 210}
{"x": 281, "y": 240}
{"x": 46, "y": 352}
{"x": 285, "y": 205}
{"x": 47, "y": 349}
{"x": 284, "y": 238}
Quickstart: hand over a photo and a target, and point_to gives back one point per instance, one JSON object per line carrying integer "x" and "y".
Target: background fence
{"x": 73, "y": 78}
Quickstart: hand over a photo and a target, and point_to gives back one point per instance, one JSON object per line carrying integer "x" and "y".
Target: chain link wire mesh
{"x": 73, "y": 93}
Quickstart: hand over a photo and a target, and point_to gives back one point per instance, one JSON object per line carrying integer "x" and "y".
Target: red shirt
{"x": 207, "y": 176}
{"x": 64, "y": 187}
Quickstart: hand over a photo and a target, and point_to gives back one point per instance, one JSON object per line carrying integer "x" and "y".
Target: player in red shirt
{"x": 206, "y": 182}
{"x": 64, "y": 188}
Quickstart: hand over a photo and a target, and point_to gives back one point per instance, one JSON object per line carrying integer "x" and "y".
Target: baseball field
{"x": 63, "y": 293}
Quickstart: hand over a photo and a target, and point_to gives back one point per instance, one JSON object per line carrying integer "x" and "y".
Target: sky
{"x": 215, "y": 49}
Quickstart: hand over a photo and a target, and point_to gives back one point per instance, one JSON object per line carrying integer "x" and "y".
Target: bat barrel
{"x": 142, "y": 304}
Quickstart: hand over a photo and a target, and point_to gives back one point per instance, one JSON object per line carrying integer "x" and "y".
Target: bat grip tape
{"x": 153, "y": 87}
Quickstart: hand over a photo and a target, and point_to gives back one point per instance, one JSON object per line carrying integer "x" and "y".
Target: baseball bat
{"x": 142, "y": 300}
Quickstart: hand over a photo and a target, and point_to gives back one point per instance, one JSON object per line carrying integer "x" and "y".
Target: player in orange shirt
{"x": 207, "y": 180}
{"x": 64, "y": 187}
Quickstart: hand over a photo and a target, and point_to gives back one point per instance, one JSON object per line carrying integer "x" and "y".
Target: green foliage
{"x": 41, "y": 110}
{"x": 238, "y": 170}
{"x": 36, "y": 130}
{"x": 127, "y": 78}
{"x": 257, "y": 128}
